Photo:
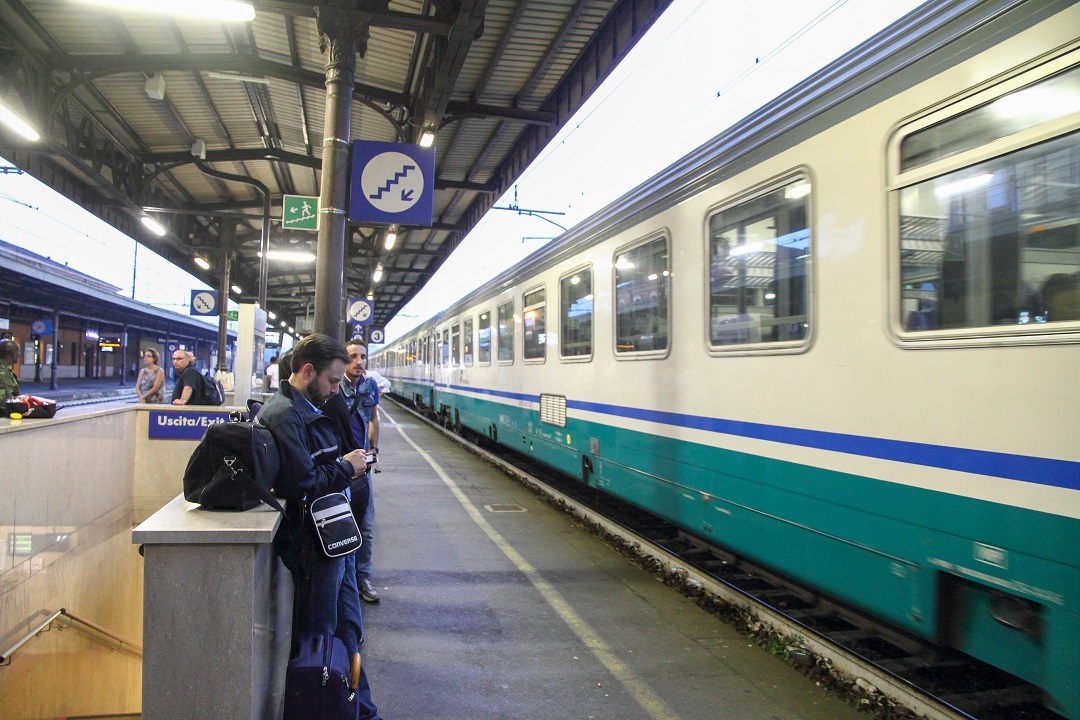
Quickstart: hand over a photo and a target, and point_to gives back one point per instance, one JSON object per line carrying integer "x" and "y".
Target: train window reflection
{"x": 759, "y": 258}
{"x": 1044, "y": 101}
{"x": 576, "y": 306}
{"x": 506, "y": 332}
{"x": 534, "y": 339}
{"x": 642, "y": 289}
{"x": 994, "y": 244}
{"x": 455, "y": 345}
{"x": 483, "y": 333}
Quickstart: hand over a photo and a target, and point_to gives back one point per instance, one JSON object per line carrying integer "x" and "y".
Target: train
{"x": 840, "y": 338}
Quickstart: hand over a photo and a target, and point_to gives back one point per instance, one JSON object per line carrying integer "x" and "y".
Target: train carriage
{"x": 841, "y": 338}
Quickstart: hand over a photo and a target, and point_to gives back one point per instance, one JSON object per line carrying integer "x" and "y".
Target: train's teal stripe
{"x": 1025, "y": 468}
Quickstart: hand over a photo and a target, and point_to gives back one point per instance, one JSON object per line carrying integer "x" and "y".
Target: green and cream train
{"x": 842, "y": 338}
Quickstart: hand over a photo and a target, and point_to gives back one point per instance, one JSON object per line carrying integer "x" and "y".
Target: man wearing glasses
{"x": 188, "y": 382}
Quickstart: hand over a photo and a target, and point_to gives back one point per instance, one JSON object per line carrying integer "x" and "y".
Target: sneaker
{"x": 368, "y": 593}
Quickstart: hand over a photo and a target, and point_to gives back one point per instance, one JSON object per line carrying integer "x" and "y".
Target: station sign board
{"x": 392, "y": 183}
{"x": 299, "y": 212}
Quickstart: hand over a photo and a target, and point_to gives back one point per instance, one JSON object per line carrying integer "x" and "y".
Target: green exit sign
{"x": 234, "y": 315}
{"x": 300, "y": 212}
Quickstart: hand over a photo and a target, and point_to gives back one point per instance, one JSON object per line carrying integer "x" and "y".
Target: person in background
{"x": 151, "y": 382}
{"x": 361, "y": 394}
{"x": 9, "y": 355}
{"x": 272, "y": 375}
{"x": 312, "y": 466}
{"x": 188, "y": 383}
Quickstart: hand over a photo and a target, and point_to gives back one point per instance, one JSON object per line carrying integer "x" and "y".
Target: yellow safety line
{"x": 637, "y": 687}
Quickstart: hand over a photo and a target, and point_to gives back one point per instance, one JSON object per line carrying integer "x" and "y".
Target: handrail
{"x": 73, "y": 620}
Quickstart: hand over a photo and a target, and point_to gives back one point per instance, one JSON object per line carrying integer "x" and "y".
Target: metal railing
{"x": 70, "y": 620}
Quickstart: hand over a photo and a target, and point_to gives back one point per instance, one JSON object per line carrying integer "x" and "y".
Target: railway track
{"x": 886, "y": 671}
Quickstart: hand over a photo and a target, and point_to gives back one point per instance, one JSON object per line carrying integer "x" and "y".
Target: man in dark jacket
{"x": 327, "y": 600}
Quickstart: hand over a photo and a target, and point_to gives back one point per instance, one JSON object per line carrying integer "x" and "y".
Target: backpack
{"x": 233, "y": 467}
{"x": 212, "y": 392}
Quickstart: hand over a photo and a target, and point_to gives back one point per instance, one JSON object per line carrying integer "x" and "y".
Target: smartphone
{"x": 370, "y": 458}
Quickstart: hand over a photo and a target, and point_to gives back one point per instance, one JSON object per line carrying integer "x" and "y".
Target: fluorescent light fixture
{"x": 226, "y": 10}
{"x": 236, "y": 289}
{"x": 427, "y": 139}
{"x": 238, "y": 77}
{"x": 202, "y": 263}
{"x": 282, "y": 323}
{"x": 154, "y": 226}
{"x": 17, "y": 124}
{"x": 291, "y": 329}
{"x": 270, "y": 314}
{"x": 962, "y": 186}
{"x": 378, "y": 273}
{"x": 391, "y": 237}
{"x": 290, "y": 255}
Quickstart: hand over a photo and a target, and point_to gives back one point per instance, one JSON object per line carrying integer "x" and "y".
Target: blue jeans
{"x": 367, "y": 524}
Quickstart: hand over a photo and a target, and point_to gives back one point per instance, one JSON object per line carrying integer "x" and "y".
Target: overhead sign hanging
{"x": 204, "y": 303}
{"x": 299, "y": 212}
{"x": 392, "y": 183}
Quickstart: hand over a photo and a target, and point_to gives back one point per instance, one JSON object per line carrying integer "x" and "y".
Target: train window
{"x": 759, "y": 260}
{"x": 575, "y": 305}
{"x": 642, "y": 289}
{"x": 455, "y": 345}
{"x": 444, "y": 348}
{"x": 1050, "y": 99}
{"x": 506, "y": 332}
{"x": 534, "y": 313}
{"x": 468, "y": 347}
{"x": 991, "y": 238}
{"x": 484, "y": 338}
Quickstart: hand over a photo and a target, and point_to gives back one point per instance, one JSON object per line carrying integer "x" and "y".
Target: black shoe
{"x": 368, "y": 593}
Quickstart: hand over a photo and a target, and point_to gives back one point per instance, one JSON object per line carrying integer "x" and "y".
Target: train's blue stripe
{"x": 1040, "y": 471}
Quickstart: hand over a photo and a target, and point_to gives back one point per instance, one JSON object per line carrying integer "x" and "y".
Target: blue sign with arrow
{"x": 392, "y": 183}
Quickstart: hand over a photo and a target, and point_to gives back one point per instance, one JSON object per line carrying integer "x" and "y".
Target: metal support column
{"x": 228, "y": 235}
{"x": 55, "y": 350}
{"x": 343, "y": 34}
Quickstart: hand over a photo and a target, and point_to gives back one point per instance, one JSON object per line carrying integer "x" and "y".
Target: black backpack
{"x": 211, "y": 390}
{"x": 233, "y": 467}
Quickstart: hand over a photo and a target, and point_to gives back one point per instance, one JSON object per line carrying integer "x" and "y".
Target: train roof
{"x": 937, "y": 35}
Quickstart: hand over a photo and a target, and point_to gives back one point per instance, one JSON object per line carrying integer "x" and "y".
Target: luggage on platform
{"x": 318, "y": 683}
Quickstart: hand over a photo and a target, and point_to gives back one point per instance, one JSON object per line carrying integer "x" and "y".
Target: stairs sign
{"x": 392, "y": 183}
{"x": 299, "y": 212}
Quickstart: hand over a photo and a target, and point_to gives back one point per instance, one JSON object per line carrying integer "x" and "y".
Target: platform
{"x": 496, "y": 605}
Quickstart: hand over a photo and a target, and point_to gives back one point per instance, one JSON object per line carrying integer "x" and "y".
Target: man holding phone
{"x": 361, "y": 394}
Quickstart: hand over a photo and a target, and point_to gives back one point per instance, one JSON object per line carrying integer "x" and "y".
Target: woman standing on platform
{"x": 151, "y": 382}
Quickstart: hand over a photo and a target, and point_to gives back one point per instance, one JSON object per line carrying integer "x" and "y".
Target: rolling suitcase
{"x": 317, "y": 681}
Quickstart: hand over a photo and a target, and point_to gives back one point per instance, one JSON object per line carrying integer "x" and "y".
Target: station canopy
{"x": 128, "y": 103}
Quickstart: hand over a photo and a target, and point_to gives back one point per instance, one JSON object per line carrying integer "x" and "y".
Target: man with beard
{"x": 326, "y": 599}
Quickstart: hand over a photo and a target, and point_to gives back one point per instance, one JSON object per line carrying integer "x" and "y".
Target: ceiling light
{"x": 378, "y": 273}
{"x": 197, "y": 9}
{"x": 391, "y": 237}
{"x": 291, "y": 330}
{"x": 427, "y": 139}
{"x": 236, "y": 289}
{"x": 270, "y": 314}
{"x": 154, "y": 225}
{"x": 282, "y": 323}
{"x": 238, "y": 77}
{"x": 202, "y": 263}
{"x": 17, "y": 124}
{"x": 290, "y": 255}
